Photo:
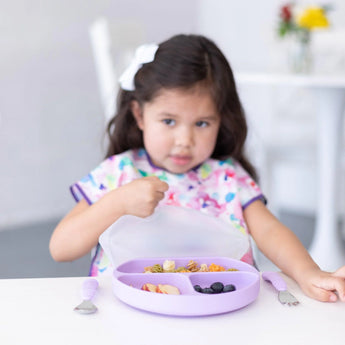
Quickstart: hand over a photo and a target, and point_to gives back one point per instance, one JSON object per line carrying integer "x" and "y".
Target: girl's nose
{"x": 184, "y": 137}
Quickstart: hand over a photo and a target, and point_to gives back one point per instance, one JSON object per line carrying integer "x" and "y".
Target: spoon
{"x": 88, "y": 290}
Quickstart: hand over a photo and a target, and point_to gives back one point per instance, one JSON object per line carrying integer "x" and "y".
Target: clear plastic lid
{"x": 171, "y": 232}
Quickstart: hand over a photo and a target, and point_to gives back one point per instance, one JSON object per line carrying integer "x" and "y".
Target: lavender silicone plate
{"x": 129, "y": 278}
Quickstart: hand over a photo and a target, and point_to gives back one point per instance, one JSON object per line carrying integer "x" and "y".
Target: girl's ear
{"x": 137, "y": 113}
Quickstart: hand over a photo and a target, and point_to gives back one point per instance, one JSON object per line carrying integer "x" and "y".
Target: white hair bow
{"x": 143, "y": 54}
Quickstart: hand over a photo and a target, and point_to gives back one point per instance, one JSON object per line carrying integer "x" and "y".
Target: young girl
{"x": 178, "y": 139}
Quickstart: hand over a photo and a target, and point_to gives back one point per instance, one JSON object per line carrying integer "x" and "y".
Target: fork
{"x": 284, "y": 296}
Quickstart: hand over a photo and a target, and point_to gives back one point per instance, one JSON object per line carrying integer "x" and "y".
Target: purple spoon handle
{"x": 89, "y": 288}
{"x": 275, "y": 279}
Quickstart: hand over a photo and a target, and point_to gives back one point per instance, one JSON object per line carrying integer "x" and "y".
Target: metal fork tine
{"x": 284, "y": 296}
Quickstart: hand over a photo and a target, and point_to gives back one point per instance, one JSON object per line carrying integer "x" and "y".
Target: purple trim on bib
{"x": 150, "y": 161}
{"x": 259, "y": 197}
{"x": 81, "y": 192}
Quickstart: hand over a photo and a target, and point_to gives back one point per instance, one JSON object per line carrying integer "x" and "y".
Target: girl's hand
{"x": 324, "y": 286}
{"x": 140, "y": 197}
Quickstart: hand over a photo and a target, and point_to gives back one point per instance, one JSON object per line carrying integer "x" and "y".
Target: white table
{"x": 40, "y": 311}
{"x": 329, "y": 92}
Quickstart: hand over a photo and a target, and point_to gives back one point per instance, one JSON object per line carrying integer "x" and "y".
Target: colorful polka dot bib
{"x": 222, "y": 189}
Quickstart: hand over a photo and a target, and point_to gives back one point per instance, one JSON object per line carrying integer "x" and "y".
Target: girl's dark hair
{"x": 185, "y": 61}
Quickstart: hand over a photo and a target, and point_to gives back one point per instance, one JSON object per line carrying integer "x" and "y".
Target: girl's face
{"x": 179, "y": 127}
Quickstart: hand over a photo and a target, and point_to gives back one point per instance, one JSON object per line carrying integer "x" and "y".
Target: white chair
{"x": 101, "y": 47}
{"x": 113, "y": 45}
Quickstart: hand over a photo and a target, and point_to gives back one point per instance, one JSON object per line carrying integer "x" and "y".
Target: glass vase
{"x": 300, "y": 55}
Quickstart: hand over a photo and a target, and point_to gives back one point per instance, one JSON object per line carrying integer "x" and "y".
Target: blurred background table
{"x": 329, "y": 96}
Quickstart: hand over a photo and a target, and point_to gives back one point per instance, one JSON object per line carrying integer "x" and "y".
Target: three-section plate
{"x": 129, "y": 278}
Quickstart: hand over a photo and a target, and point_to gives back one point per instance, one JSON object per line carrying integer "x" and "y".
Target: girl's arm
{"x": 279, "y": 244}
{"x": 79, "y": 231}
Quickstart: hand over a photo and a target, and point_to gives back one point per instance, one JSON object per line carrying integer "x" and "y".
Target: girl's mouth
{"x": 180, "y": 160}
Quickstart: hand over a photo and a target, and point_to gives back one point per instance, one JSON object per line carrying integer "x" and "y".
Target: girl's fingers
{"x": 339, "y": 275}
{"x": 340, "y": 272}
{"x": 160, "y": 195}
{"x": 339, "y": 286}
{"x": 322, "y": 295}
{"x": 160, "y": 185}
{"x": 326, "y": 288}
{"x": 163, "y": 186}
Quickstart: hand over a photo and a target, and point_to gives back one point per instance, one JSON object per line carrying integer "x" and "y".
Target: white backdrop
{"x": 51, "y": 119}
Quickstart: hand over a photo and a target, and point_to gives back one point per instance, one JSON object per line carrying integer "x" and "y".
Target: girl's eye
{"x": 169, "y": 122}
{"x": 202, "y": 124}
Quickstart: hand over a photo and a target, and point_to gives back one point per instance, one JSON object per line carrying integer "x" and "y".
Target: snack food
{"x": 149, "y": 287}
{"x": 216, "y": 287}
{"x": 168, "y": 266}
{"x": 129, "y": 278}
{"x": 161, "y": 288}
{"x": 216, "y": 268}
{"x": 168, "y": 289}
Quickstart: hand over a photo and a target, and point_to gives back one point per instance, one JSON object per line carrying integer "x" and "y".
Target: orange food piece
{"x": 149, "y": 287}
{"x": 167, "y": 289}
{"x": 216, "y": 268}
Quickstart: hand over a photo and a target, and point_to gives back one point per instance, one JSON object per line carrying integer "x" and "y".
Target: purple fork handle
{"x": 275, "y": 279}
{"x": 89, "y": 288}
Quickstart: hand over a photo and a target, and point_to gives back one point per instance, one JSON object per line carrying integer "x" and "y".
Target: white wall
{"x": 51, "y": 119}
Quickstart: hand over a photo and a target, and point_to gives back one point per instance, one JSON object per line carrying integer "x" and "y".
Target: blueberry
{"x": 217, "y": 287}
{"x": 197, "y": 288}
{"x": 229, "y": 288}
{"x": 207, "y": 290}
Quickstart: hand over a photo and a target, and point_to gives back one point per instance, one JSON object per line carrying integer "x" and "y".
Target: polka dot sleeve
{"x": 248, "y": 189}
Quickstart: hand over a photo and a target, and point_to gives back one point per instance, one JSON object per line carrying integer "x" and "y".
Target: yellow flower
{"x": 312, "y": 18}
